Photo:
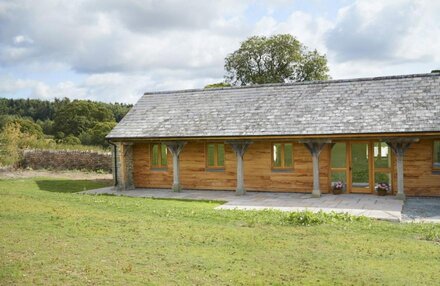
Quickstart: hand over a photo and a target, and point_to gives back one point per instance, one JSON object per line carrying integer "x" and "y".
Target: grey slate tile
{"x": 395, "y": 104}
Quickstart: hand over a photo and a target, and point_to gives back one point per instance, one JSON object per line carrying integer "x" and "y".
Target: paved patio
{"x": 385, "y": 208}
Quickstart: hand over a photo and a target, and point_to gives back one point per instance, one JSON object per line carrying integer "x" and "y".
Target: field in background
{"x": 51, "y": 235}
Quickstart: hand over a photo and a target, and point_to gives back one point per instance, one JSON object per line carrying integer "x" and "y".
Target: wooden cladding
{"x": 420, "y": 179}
{"x": 258, "y": 172}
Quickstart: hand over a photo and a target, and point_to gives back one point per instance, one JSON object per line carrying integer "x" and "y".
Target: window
{"x": 215, "y": 156}
{"x": 282, "y": 156}
{"x": 159, "y": 156}
{"x": 382, "y": 163}
{"x": 436, "y": 153}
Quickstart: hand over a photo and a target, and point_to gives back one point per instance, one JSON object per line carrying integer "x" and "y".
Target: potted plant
{"x": 382, "y": 189}
{"x": 338, "y": 188}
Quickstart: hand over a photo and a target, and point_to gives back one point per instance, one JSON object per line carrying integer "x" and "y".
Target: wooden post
{"x": 239, "y": 148}
{"x": 175, "y": 148}
{"x": 399, "y": 146}
{"x": 315, "y": 147}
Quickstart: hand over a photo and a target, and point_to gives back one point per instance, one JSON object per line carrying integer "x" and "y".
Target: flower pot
{"x": 337, "y": 191}
{"x": 381, "y": 192}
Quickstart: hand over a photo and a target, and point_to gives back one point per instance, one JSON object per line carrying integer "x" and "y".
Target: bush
{"x": 27, "y": 126}
{"x": 9, "y": 144}
{"x": 308, "y": 218}
{"x": 432, "y": 234}
{"x": 71, "y": 140}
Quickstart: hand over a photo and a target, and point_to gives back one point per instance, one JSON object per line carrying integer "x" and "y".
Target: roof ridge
{"x": 297, "y": 83}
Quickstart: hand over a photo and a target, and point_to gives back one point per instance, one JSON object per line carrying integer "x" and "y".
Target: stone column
{"x": 239, "y": 148}
{"x": 315, "y": 147}
{"x": 175, "y": 148}
{"x": 124, "y": 159}
{"x": 399, "y": 146}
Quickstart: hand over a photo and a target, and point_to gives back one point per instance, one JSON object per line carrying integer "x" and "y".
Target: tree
{"x": 78, "y": 116}
{"x": 275, "y": 59}
{"x": 96, "y": 135}
{"x": 27, "y": 126}
{"x": 218, "y": 85}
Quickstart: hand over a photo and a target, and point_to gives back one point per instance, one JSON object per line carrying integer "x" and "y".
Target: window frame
{"x": 434, "y": 168}
{"x": 216, "y": 167}
{"x": 281, "y": 168}
{"x": 158, "y": 167}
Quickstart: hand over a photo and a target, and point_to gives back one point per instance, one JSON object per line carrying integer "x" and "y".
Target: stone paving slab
{"x": 385, "y": 208}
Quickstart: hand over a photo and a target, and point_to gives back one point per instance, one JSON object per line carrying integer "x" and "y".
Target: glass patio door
{"x": 339, "y": 165}
{"x": 360, "y": 165}
{"x": 360, "y": 175}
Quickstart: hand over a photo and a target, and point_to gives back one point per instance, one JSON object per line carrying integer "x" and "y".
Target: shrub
{"x": 432, "y": 234}
{"x": 9, "y": 144}
{"x": 308, "y": 218}
{"x": 71, "y": 140}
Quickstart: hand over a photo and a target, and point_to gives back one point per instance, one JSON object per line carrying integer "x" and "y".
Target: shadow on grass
{"x": 70, "y": 186}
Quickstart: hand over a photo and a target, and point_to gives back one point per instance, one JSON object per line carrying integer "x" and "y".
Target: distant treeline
{"x": 62, "y": 120}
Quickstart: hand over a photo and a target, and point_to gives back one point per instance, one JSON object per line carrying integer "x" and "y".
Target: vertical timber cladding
{"x": 419, "y": 178}
{"x": 258, "y": 174}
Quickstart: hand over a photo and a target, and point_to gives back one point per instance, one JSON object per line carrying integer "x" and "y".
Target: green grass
{"x": 52, "y": 236}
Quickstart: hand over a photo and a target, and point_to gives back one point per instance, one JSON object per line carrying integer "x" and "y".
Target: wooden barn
{"x": 298, "y": 137}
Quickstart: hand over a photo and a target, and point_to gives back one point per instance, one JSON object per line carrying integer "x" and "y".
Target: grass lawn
{"x": 50, "y": 235}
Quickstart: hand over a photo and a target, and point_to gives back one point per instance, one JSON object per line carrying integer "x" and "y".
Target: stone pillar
{"x": 124, "y": 159}
{"x": 399, "y": 146}
{"x": 175, "y": 148}
{"x": 240, "y": 148}
{"x": 115, "y": 163}
{"x": 315, "y": 147}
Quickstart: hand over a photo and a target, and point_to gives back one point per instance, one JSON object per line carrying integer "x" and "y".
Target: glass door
{"x": 338, "y": 165}
{"x": 360, "y": 167}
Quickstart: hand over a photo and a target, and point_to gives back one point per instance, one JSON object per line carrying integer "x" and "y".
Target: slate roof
{"x": 409, "y": 103}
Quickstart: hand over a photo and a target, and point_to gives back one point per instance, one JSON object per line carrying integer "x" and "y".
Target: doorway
{"x": 360, "y": 165}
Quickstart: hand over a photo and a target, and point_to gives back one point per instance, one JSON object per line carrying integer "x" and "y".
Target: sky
{"x": 115, "y": 50}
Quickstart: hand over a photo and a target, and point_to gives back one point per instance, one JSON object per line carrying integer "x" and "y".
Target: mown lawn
{"x": 52, "y": 236}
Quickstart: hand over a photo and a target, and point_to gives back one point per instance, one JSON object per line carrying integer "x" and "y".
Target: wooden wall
{"x": 419, "y": 179}
{"x": 257, "y": 165}
{"x": 260, "y": 176}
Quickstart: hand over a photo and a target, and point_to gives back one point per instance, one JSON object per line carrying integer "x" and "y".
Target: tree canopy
{"x": 218, "y": 85}
{"x": 276, "y": 59}
{"x": 71, "y": 122}
{"x": 79, "y": 116}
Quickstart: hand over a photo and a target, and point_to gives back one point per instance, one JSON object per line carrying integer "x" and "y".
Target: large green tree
{"x": 275, "y": 59}
{"x": 79, "y": 116}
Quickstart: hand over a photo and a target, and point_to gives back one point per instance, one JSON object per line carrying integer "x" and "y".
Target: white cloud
{"x": 121, "y": 49}
{"x": 309, "y": 30}
{"x": 109, "y": 87}
{"x": 385, "y": 38}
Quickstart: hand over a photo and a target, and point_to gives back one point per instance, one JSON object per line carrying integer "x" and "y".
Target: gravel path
{"x": 421, "y": 209}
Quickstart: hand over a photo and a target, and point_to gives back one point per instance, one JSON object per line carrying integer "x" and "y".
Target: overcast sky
{"x": 114, "y": 50}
